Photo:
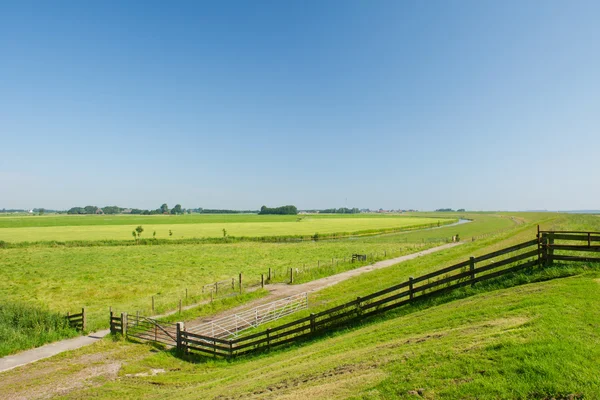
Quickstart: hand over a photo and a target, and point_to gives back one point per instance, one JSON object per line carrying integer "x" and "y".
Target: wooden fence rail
{"x": 542, "y": 251}
{"x": 77, "y": 321}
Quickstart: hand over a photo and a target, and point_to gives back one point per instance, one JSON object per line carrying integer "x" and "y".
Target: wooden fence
{"x": 542, "y": 251}
{"x": 77, "y": 321}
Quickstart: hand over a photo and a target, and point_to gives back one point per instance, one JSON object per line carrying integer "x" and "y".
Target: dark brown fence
{"x": 77, "y": 321}
{"x": 468, "y": 272}
{"x": 541, "y": 251}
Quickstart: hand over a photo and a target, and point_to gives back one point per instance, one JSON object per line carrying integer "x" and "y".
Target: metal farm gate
{"x": 148, "y": 329}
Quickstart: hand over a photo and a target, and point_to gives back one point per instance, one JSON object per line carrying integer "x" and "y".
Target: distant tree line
{"x": 217, "y": 211}
{"x": 283, "y": 210}
{"x": 450, "y": 210}
{"x": 163, "y": 209}
{"x": 342, "y": 210}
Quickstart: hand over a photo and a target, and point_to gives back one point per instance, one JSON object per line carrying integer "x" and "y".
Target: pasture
{"x": 186, "y": 227}
{"x": 535, "y": 339}
{"x": 126, "y": 277}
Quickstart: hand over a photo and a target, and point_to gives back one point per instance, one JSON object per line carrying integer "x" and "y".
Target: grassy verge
{"x": 536, "y": 340}
{"x": 24, "y": 326}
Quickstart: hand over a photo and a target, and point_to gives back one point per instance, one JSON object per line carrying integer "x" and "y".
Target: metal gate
{"x": 232, "y": 325}
{"x": 149, "y": 329}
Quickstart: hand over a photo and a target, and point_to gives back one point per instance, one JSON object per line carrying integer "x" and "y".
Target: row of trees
{"x": 450, "y": 210}
{"x": 342, "y": 210}
{"x": 163, "y": 209}
{"x": 216, "y": 211}
{"x": 283, "y": 210}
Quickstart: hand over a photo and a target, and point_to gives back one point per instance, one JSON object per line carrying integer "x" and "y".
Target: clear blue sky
{"x": 394, "y": 104}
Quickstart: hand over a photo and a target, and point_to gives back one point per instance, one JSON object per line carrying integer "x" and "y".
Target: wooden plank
{"x": 440, "y": 272}
{"x": 352, "y": 304}
{"x": 384, "y": 291}
{"x": 274, "y": 339}
{"x": 190, "y": 335}
{"x": 386, "y": 300}
{"x": 211, "y": 352}
{"x": 580, "y": 238}
{"x": 200, "y": 343}
{"x": 576, "y": 258}
{"x": 507, "y": 250}
{"x": 595, "y": 249}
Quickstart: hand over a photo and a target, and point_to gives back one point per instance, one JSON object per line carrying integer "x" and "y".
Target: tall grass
{"x": 24, "y": 326}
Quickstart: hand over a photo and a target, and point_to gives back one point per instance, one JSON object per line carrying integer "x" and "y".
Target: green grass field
{"x": 101, "y": 228}
{"x": 126, "y": 277}
{"x": 537, "y": 339}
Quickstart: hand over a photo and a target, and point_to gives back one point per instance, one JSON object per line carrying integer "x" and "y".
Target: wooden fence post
{"x": 179, "y": 336}
{"x": 230, "y": 349}
{"x": 186, "y": 294}
{"x": 550, "y": 248}
{"x": 179, "y": 306}
{"x": 268, "y": 338}
{"x": 240, "y": 283}
{"x": 112, "y": 326}
{"x": 124, "y": 324}
{"x": 312, "y": 323}
{"x": 269, "y": 274}
{"x": 291, "y": 275}
{"x": 232, "y": 283}
{"x": 539, "y": 246}
{"x": 472, "y": 268}
{"x": 358, "y": 306}
{"x": 410, "y": 287}
{"x": 262, "y": 280}
{"x": 544, "y": 249}
{"x": 216, "y": 287}
{"x": 83, "y": 319}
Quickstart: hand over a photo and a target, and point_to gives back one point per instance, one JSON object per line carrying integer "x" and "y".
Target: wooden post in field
{"x": 123, "y": 324}
{"x": 268, "y": 338}
{"x": 550, "y": 248}
{"x": 240, "y": 283}
{"x": 539, "y": 246}
{"x": 185, "y": 294}
{"x": 112, "y": 327}
{"x": 544, "y": 249}
{"x": 291, "y": 275}
{"x": 410, "y": 287}
{"x": 216, "y": 288}
{"x": 262, "y": 280}
{"x": 232, "y": 283}
{"x": 83, "y": 319}
{"x": 179, "y": 336}
{"x": 472, "y": 269}
{"x": 179, "y": 306}
{"x": 270, "y": 274}
{"x": 312, "y": 323}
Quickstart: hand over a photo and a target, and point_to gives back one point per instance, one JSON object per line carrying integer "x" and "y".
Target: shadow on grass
{"x": 523, "y": 277}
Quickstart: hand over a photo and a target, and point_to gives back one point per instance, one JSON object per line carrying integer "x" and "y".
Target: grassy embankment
{"x": 536, "y": 340}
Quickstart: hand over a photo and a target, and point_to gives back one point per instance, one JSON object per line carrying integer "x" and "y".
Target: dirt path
{"x": 277, "y": 291}
{"x": 282, "y": 290}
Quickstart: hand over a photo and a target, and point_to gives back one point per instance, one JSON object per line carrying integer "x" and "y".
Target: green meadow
{"x": 126, "y": 277}
{"x": 528, "y": 335}
{"x": 186, "y": 227}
